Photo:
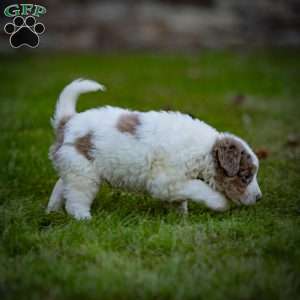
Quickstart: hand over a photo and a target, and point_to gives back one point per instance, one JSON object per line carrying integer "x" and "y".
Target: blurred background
{"x": 165, "y": 24}
{"x": 234, "y": 64}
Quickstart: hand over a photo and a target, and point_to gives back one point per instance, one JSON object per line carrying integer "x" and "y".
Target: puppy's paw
{"x": 218, "y": 203}
{"x": 82, "y": 215}
{"x": 180, "y": 207}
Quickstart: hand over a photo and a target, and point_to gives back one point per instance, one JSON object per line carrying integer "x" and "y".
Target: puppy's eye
{"x": 245, "y": 178}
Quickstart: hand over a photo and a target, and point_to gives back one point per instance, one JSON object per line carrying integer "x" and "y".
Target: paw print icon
{"x": 24, "y": 32}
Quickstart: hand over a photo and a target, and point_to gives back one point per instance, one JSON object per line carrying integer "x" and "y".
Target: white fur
{"x": 165, "y": 156}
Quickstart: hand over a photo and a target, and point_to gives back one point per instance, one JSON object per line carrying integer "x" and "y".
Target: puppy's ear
{"x": 228, "y": 155}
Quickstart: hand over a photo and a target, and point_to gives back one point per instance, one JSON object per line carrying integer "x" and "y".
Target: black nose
{"x": 258, "y": 197}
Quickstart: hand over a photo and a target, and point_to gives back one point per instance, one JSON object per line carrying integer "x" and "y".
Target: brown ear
{"x": 228, "y": 153}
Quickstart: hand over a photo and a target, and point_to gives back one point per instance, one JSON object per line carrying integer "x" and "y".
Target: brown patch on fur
{"x": 128, "y": 122}
{"x": 234, "y": 167}
{"x": 60, "y": 135}
{"x": 84, "y": 146}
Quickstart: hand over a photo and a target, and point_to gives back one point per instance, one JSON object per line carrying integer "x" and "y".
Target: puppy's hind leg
{"x": 56, "y": 199}
{"x": 80, "y": 192}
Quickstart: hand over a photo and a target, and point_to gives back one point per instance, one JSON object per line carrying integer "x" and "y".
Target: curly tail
{"x": 66, "y": 104}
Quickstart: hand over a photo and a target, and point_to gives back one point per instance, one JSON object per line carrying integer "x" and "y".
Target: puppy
{"x": 170, "y": 155}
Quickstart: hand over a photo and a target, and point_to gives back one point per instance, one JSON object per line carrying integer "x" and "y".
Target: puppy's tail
{"x": 66, "y": 104}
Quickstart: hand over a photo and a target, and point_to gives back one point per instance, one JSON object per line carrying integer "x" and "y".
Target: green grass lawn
{"x": 136, "y": 247}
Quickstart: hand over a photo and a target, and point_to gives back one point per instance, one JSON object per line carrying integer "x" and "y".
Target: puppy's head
{"x": 236, "y": 168}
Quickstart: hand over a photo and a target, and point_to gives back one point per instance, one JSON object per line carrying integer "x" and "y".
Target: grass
{"x": 136, "y": 247}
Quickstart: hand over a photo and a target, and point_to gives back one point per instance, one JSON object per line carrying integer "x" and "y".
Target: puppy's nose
{"x": 258, "y": 196}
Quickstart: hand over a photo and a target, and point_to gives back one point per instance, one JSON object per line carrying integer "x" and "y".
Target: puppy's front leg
{"x": 199, "y": 191}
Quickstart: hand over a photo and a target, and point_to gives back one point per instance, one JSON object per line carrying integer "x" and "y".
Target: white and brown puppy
{"x": 170, "y": 155}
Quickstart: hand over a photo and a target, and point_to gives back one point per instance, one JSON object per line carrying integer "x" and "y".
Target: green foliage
{"x": 136, "y": 247}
